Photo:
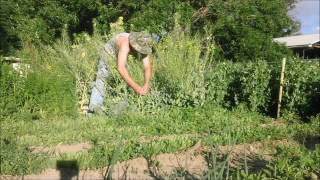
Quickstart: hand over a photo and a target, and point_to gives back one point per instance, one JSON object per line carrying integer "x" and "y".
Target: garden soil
{"x": 192, "y": 163}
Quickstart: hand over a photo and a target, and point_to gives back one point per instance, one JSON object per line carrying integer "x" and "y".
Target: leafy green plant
{"x": 79, "y": 60}
{"x": 302, "y": 87}
{"x": 292, "y": 162}
{"x": 17, "y": 159}
{"x": 38, "y": 92}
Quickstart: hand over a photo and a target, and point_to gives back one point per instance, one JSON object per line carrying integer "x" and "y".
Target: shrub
{"x": 232, "y": 84}
{"x": 294, "y": 162}
{"x": 256, "y": 85}
{"x": 44, "y": 89}
{"x": 302, "y": 87}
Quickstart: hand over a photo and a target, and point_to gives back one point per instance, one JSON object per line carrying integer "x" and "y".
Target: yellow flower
{"x": 83, "y": 54}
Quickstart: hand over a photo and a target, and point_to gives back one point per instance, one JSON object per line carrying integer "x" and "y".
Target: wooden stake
{"x": 281, "y": 86}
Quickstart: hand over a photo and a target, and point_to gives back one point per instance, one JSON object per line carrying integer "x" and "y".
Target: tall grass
{"x": 58, "y": 81}
{"x": 41, "y": 91}
{"x": 79, "y": 59}
{"x": 178, "y": 76}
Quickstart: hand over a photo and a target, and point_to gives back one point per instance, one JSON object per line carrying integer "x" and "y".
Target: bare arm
{"x": 121, "y": 66}
{"x": 147, "y": 72}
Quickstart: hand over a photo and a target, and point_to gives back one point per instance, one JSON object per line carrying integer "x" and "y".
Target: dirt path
{"x": 62, "y": 148}
{"x": 275, "y": 123}
{"x": 192, "y": 163}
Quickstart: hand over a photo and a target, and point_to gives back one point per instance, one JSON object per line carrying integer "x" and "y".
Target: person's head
{"x": 141, "y": 42}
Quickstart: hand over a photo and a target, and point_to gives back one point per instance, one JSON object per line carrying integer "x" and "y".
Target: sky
{"x": 307, "y": 12}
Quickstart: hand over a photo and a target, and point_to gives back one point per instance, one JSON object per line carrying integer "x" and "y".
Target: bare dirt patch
{"x": 275, "y": 123}
{"x": 310, "y": 141}
{"x": 161, "y": 166}
{"x": 62, "y": 148}
{"x": 54, "y": 174}
{"x": 171, "y": 137}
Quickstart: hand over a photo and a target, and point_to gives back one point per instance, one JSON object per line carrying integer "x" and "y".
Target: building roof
{"x": 299, "y": 41}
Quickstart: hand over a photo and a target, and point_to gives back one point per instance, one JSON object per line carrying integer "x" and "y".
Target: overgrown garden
{"x": 215, "y": 82}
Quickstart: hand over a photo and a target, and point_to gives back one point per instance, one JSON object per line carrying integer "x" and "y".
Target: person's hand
{"x": 146, "y": 88}
{"x": 143, "y": 90}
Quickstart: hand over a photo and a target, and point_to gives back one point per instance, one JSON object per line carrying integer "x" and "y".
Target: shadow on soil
{"x": 177, "y": 173}
{"x": 69, "y": 169}
{"x": 309, "y": 141}
{"x": 255, "y": 164}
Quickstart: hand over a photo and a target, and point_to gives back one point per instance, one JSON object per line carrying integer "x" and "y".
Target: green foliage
{"x": 41, "y": 21}
{"x": 141, "y": 134}
{"x": 232, "y": 84}
{"x": 244, "y": 31}
{"x": 182, "y": 77}
{"x": 179, "y": 69}
{"x": 188, "y": 89}
{"x": 36, "y": 91}
{"x": 9, "y": 37}
{"x": 295, "y": 162}
{"x": 158, "y": 16}
{"x": 17, "y": 159}
{"x": 256, "y": 85}
{"x": 154, "y": 16}
{"x": 178, "y": 77}
{"x": 78, "y": 60}
{"x": 302, "y": 87}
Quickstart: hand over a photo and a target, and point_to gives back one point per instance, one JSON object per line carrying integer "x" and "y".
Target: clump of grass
{"x": 17, "y": 159}
{"x": 79, "y": 59}
{"x": 39, "y": 91}
{"x": 296, "y": 162}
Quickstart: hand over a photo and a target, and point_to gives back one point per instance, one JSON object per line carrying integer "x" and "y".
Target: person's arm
{"x": 147, "y": 72}
{"x": 121, "y": 66}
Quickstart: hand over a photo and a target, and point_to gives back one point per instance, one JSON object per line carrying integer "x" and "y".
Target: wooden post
{"x": 281, "y": 86}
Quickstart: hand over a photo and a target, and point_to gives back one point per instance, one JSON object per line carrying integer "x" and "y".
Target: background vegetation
{"x": 215, "y": 70}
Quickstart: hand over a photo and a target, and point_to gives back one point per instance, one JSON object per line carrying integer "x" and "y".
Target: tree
{"x": 244, "y": 30}
{"x": 9, "y": 37}
{"x": 151, "y": 15}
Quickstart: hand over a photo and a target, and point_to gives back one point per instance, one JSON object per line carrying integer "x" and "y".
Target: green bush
{"x": 179, "y": 70}
{"x": 233, "y": 84}
{"x": 37, "y": 91}
{"x": 295, "y": 162}
{"x": 302, "y": 87}
{"x": 256, "y": 85}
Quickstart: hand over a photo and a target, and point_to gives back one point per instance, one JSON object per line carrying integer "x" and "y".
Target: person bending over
{"x": 119, "y": 47}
